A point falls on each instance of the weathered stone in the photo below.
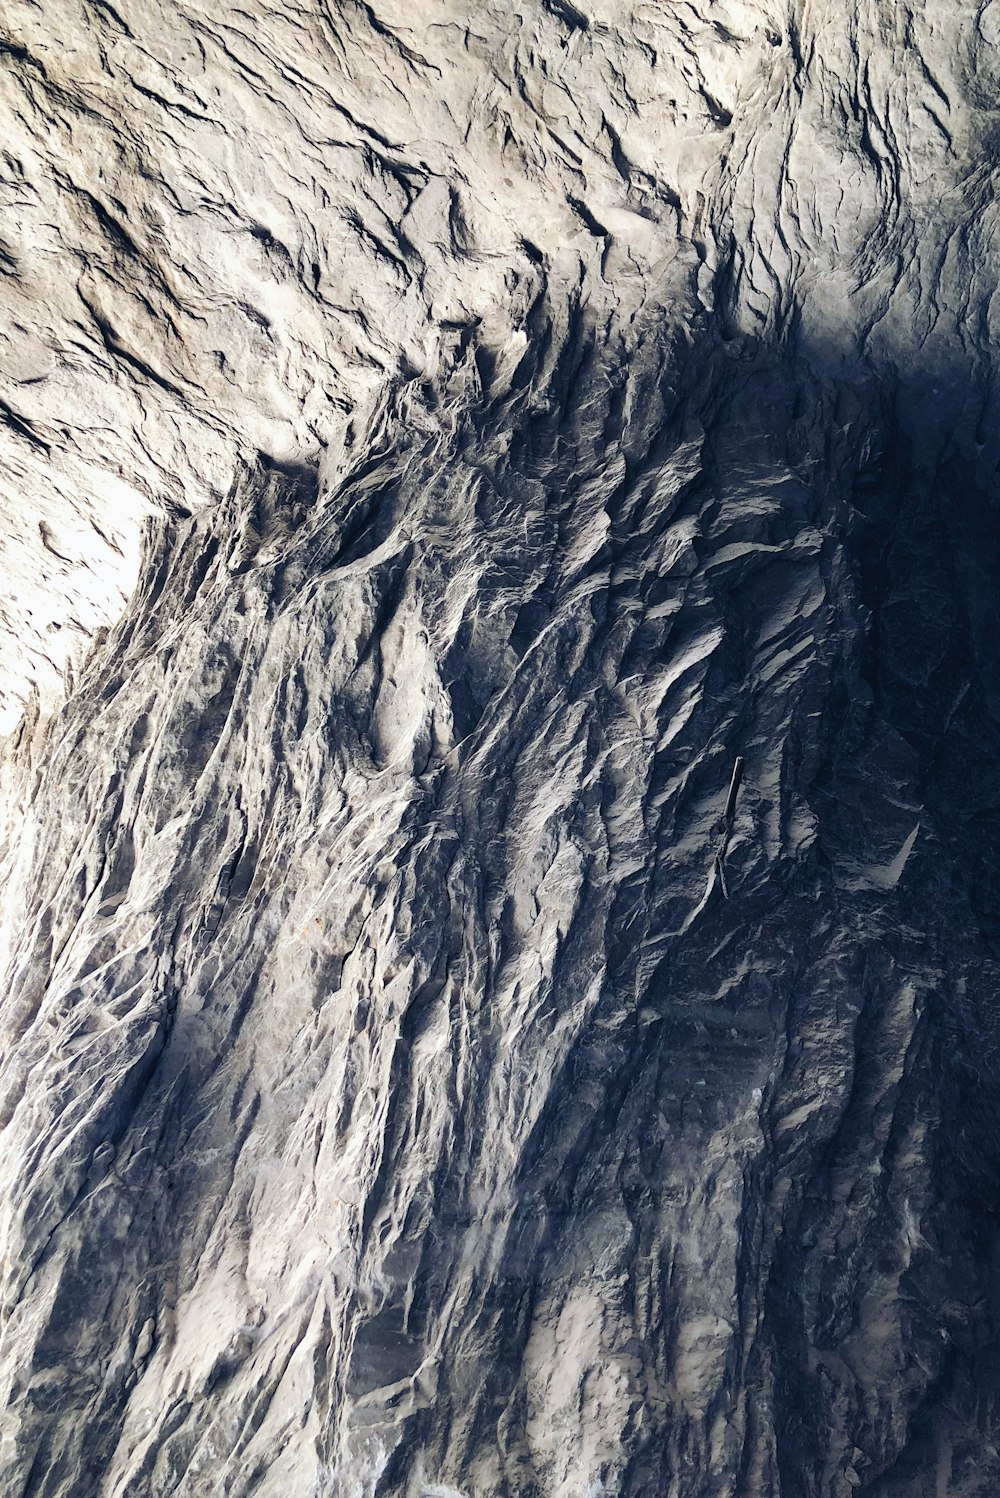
(500, 917)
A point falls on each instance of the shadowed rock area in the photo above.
(500, 850)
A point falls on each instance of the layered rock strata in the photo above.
(500, 930)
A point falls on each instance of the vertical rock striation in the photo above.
(500, 930)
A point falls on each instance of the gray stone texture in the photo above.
(500, 849)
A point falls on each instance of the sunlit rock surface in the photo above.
(501, 884)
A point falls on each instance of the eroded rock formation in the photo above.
(501, 927)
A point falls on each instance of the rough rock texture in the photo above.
(502, 933)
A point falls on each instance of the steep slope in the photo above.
(501, 935)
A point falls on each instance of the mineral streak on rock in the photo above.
(500, 858)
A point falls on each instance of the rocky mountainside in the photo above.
(501, 823)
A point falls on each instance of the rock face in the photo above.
(501, 931)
